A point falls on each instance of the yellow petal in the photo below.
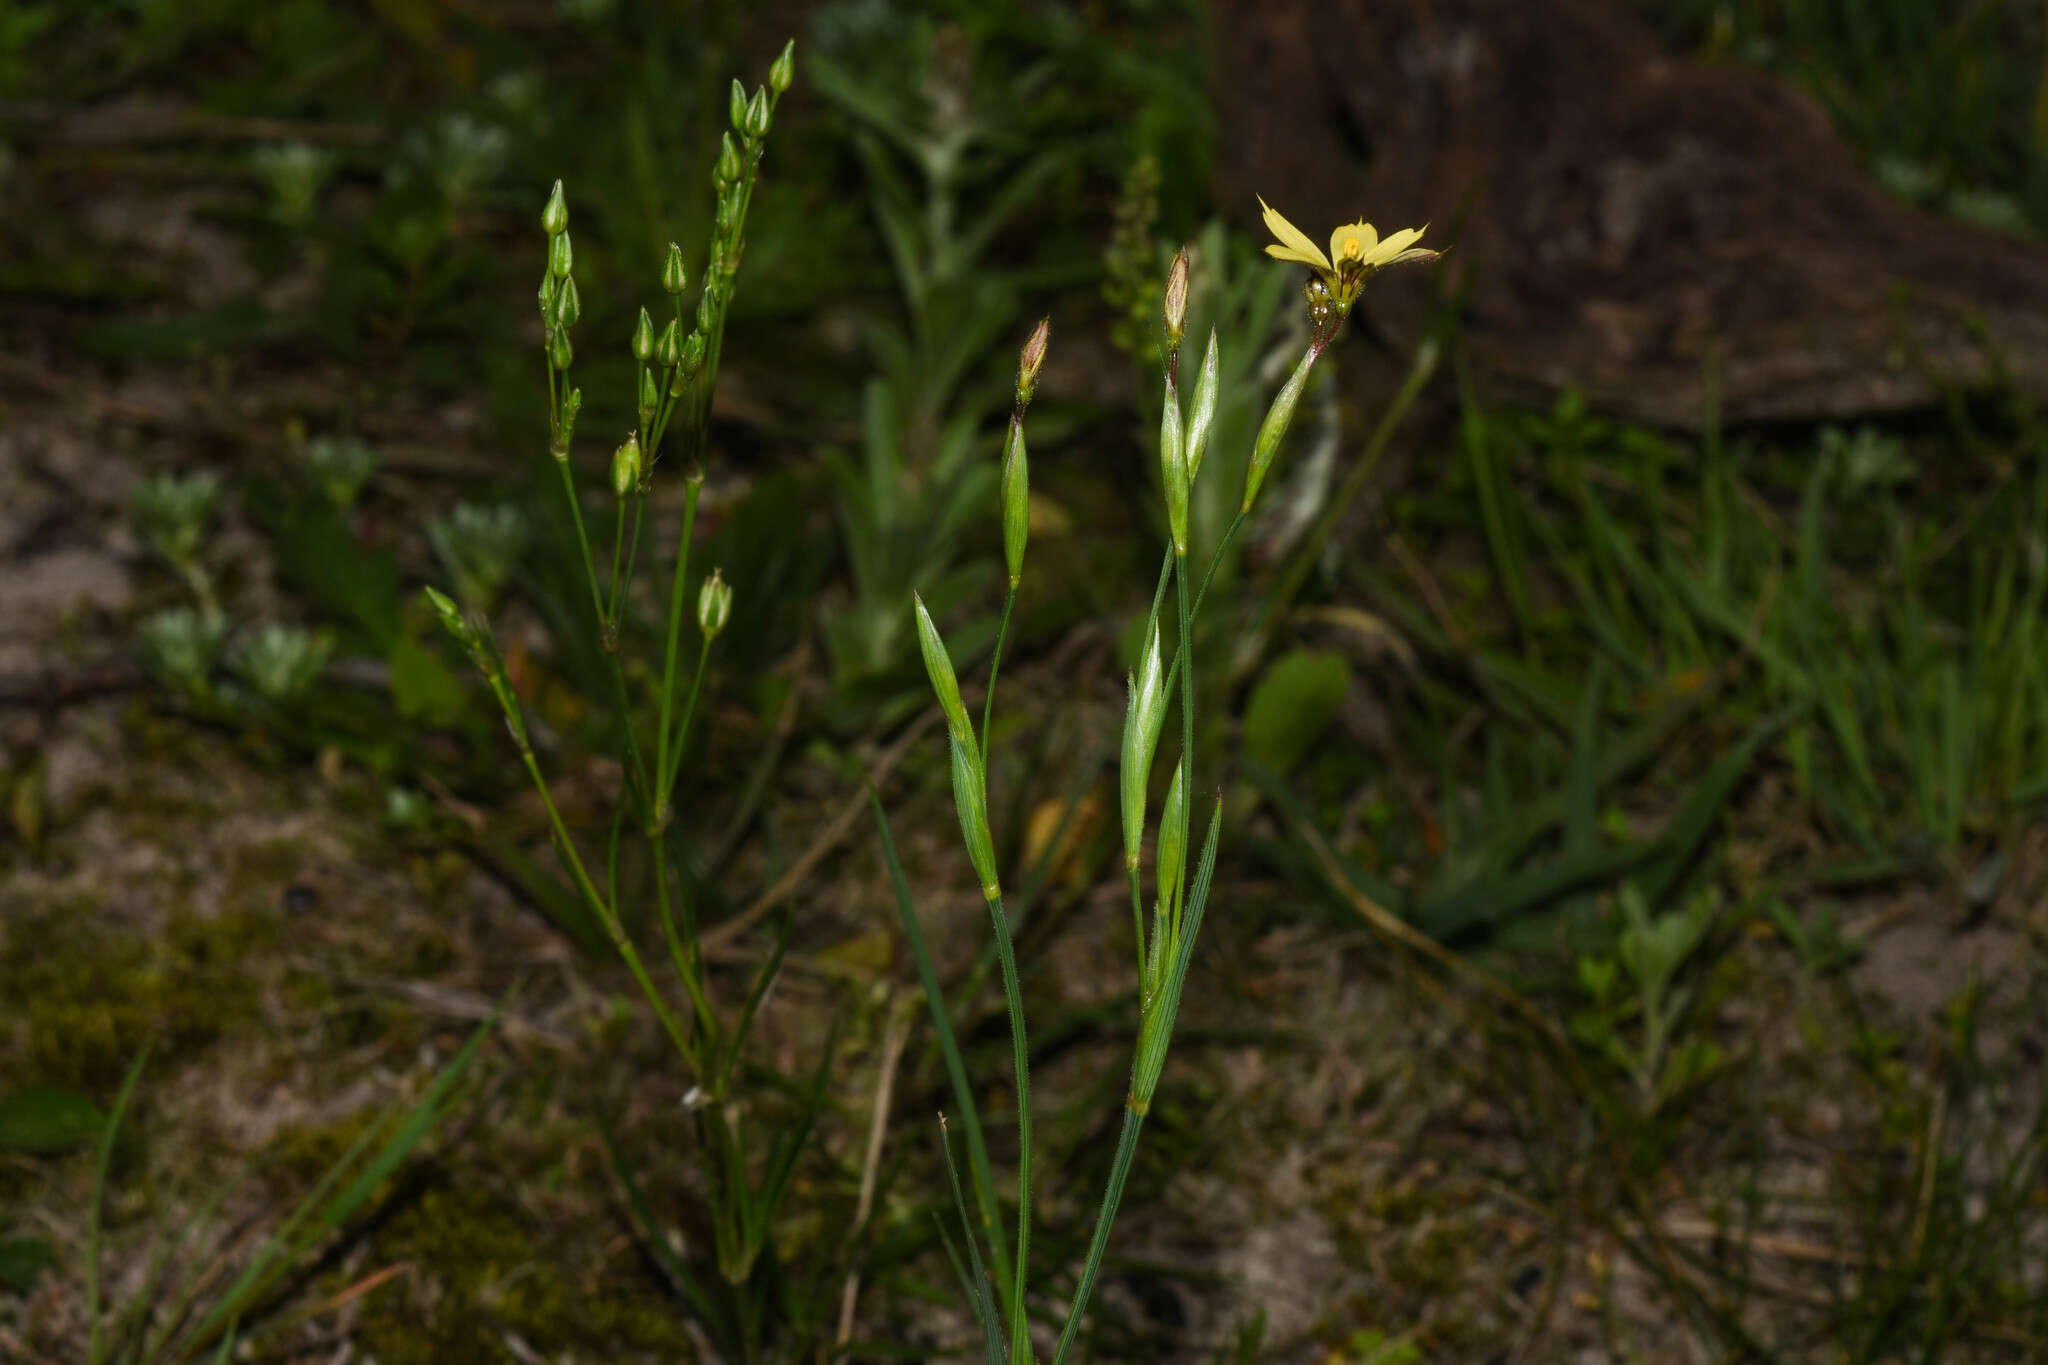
(1313, 261)
(1415, 253)
(1353, 241)
(1296, 243)
(1396, 243)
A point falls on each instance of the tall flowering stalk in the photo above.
(1165, 937)
(676, 367)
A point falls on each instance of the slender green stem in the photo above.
(1138, 927)
(1173, 669)
(582, 537)
(610, 621)
(682, 950)
(1112, 1195)
(675, 760)
(988, 703)
(613, 928)
(1020, 1060)
(675, 629)
(1187, 728)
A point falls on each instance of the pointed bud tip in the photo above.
(1176, 303)
(1032, 357)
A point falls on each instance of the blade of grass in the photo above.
(949, 1048)
(103, 1162)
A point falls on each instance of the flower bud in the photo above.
(1016, 504)
(560, 352)
(554, 219)
(784, 69)
(650, 394)
(1028, 363)
(1172, 844)
(643, 337)
(707, 309)
(693, 354)
(547, 297)
(670, 348)
(736, 105)
(673, 276)
(568, 303)
(757, 115)
(729, 165)
(626, 465)
(714, 605)
(1143, 719)
(938, 665)
(452, 619)
(1203, 414)
(1176, 307)
(1173, 466)
(970, 799)
(1274, 428)
(728, 210)
(559, 255)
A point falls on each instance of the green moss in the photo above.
(483, 1271)
(80, 1003)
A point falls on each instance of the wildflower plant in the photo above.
(747, 1304)
(1164, 935)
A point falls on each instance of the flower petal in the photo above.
(1296, 243)
(1287, 253)
(1394, 245)
(1414, 253)
(1354, 241)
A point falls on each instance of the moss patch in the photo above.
(81, 1004)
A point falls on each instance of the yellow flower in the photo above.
(1357, 252)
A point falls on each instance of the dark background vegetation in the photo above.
(1629, 941)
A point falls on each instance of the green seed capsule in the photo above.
(560, 257)
(693, 354)
(568, 303)
(673, 276)
(784, 69)
(707, 309)
(560, 352)
(643, 337)
(669, 349)
(736, 105)
(650, 394)
(554, 219)
(730, 167)
(714, 605)
(626, 466)
(757, 115)
(547, 297)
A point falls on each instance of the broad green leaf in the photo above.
(48, 1120)
(21, 1260)
(1292, 706)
